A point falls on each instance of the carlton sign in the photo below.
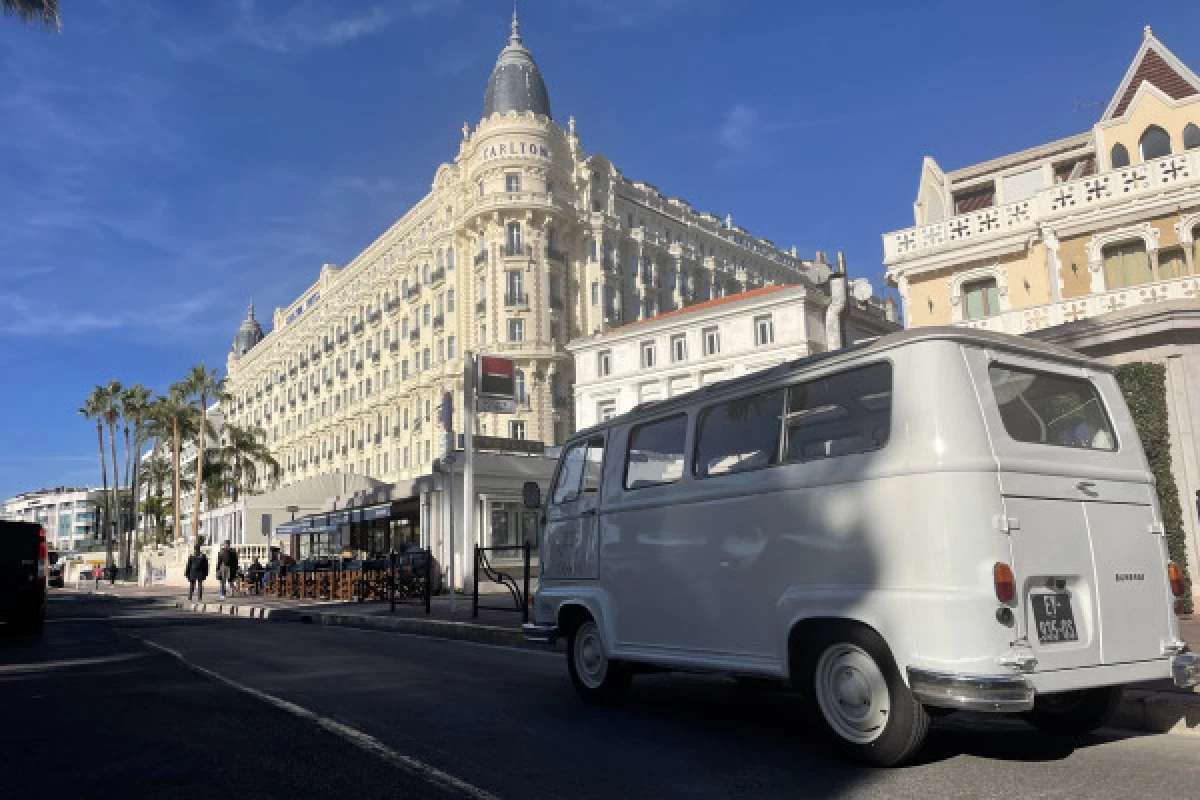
(496, 385)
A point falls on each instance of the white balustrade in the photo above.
(1051, 202)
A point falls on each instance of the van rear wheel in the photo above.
(859, 698)
(1074, 713)
(596, 677)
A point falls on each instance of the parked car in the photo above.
(939, 519)
(23, 573)
(55, 567)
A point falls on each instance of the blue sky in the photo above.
(164, 162)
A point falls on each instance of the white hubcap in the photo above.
(852, 693)
(590, 663)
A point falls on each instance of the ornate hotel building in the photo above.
(524, 242)
(1089, 241)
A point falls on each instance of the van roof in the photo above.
(856, 352)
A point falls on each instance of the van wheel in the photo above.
(860, 699)
(1074, 713)
(596, 677)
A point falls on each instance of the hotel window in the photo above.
(516, 330)
(1191, 136)
(405, 423)
(712, 341)
(554, 332)
(450, 349)
(595, 293)
(439, 259)
(440, 302)
(604, 363)
(404, 328)
(633, 264)
(449, 258)
(606, 411)
(764, 330)
(1155, 143)
(387, 378)
(425, 358)
(449, 301)
(513, 284)
(441, 351)
(483, 334)
(425, 314)
(679, 347)
(513, 241)
(368, 393)
(407, 460)
(1126, 264)
(512, 182)
(516, 429)
(404, 370)
(481, 195)
(980, 299)
(425, 274)
(592, 250)
(649, 355)
(519, 386)
(1119, 157)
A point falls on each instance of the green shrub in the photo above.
(1145, 389)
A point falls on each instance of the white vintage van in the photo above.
(938, 519)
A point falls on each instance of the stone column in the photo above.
(1050, 237)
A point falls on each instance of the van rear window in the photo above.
(1041, 408)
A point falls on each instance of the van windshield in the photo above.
(1042, 408)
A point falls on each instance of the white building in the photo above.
(68, 515)
(683, 350)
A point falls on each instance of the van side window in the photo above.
(656, 453)
(1041, 408)
(570, 474)
(739, 434)
(593, 466)
(841, 414)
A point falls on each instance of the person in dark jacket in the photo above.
(227, 567)
(196, 571)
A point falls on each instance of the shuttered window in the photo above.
(1126, 264)
(981, 298)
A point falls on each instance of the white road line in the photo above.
(512, 648)
(39, 666)
(361, 740)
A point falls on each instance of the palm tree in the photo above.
(243, 453)
(112, 412)
(135, 406)
(93, 408)
(202, 384)
(172, 419)
(29, 11)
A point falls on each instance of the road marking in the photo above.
(432, 638)
(363, 741)
(38, 666)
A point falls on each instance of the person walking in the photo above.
(196, 571)
(96, 573)
(226, 567)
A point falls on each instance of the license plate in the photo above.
(1054, 617)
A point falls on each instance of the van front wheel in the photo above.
(1074, 713)
(860, 699)
(596, 677)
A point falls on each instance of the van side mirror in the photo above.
(532, 494)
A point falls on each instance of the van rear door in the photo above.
(1080, 509)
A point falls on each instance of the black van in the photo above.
(23, 568)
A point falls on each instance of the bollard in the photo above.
(525, 593)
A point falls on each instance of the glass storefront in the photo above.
(512, 525)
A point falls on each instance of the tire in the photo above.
(595, 677)
(859, 699)
(1074, 714)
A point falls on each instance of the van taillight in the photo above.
(1006, 585)
(43, 552)
(1175, 574)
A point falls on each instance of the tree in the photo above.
(202, 384)
(31, 11)
(111, 396)
(94, 408)
(243, 453)
(135, 407)
(173, 416)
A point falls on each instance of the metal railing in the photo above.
(519, 593)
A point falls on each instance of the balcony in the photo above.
(328, 346)
(375, 356)
(556, 256)
(356, 328)
(414, 291)
(342, 338)
(556, 303)
(438, 276)
(378, 438)
(1163, 176)
(439, 322)
(393, 346)
(481, 258)
(516, 300)
(358, 366)
(481, 307)
(391, 305)
(374, 317)
(1026, 320)
(414, 335)
(511, 250)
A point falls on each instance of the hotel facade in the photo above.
(1092, 242)
(524, 243)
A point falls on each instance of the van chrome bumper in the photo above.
(997, 693)
(1185, 669)
(534, 632)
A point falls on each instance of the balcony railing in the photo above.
(1061, 200)
(481, 307)
(556, 303)
(481, 258)
(516, 300)
(439, 322)
(414, 291)
(414, 335)
(516, 250)
(438, 276)
(557, 256)
(1035, 318)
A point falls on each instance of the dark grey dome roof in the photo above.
(516, 84)
(248, 335)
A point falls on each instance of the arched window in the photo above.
(1120, 156)
(1126, 264)
(1191, 136)
(1155, 143)
(980, 299)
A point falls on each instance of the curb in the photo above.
(435, 628)
(1152, 711)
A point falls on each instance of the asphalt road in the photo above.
(98, 708)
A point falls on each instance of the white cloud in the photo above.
(21, 315)
(596, 15)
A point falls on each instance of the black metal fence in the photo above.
(518, 592)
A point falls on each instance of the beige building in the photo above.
(1088, 241)
(524, 242)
